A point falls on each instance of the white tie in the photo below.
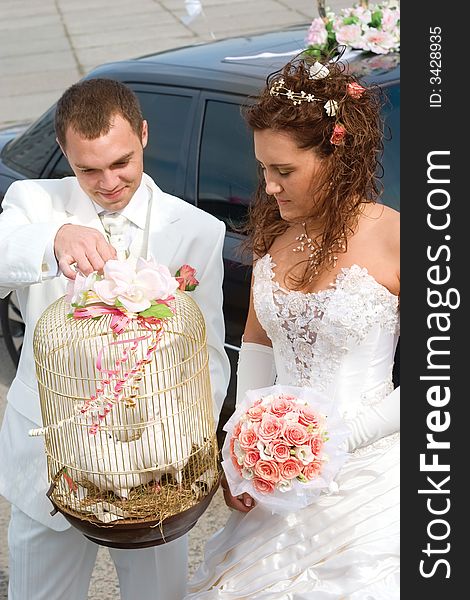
(116, 226)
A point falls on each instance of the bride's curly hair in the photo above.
(352, 168)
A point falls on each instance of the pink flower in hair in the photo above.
(355, 90)
(338, 134)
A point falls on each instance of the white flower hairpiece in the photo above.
(331, 108)
(278, 88)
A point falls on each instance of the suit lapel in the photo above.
(165, 236)
(81, 209)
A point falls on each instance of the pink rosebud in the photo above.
(237, 429)
(251, 458)
(248, 439)
(185, 277)
(338, 134)
(355, 90)
(296, 434)
(290, 469)
(268, 470)
(262, 486)
(312, 470)
(270, 428)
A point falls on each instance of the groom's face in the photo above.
(108, 168)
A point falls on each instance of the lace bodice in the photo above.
(340, 340)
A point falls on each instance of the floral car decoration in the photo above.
(372, 28)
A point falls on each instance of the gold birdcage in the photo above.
(129, 431)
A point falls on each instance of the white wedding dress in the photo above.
(346, 544)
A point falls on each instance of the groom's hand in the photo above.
(243, 503)
(84, 247)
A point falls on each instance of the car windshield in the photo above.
(30, 152)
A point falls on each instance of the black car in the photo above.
(199, 147)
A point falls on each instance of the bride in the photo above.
(324, 314)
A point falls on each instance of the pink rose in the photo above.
(355, 90)
(312, 470)
(270, 428)
(295, 434)
(248, 439)
(256, 412)
(308, 416)
(263, 486)
(281, 405)
(280, 451)
(268, 470)
(185, 277)
(338, 134)
(316, 444)
(290, 469)
(251, 458)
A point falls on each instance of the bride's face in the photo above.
(293, 175)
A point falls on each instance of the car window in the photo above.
(227, 168)
(166, 154)
(30, 152)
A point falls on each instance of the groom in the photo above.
(49, 230)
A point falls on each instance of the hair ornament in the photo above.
(331, 108)
(318, 71)
(355, 90)
(278, 89)
(338, 134)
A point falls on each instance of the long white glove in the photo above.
(375, 422)
(256, 368)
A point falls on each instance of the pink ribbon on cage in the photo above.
(119, 323)
(119, 320)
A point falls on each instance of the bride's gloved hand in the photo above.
(255, 369)
(375, 422)
(243, 503)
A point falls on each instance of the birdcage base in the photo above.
(138, 534)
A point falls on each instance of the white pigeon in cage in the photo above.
(119, 466)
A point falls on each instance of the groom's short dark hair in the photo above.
(89, 106)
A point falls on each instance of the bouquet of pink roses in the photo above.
(283, 447)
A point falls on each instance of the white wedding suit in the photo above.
(346, 544)
(49, 560)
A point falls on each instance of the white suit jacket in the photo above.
(33, 211)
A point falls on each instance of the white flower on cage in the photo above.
(135, 289)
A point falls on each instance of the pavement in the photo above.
(46, 46)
